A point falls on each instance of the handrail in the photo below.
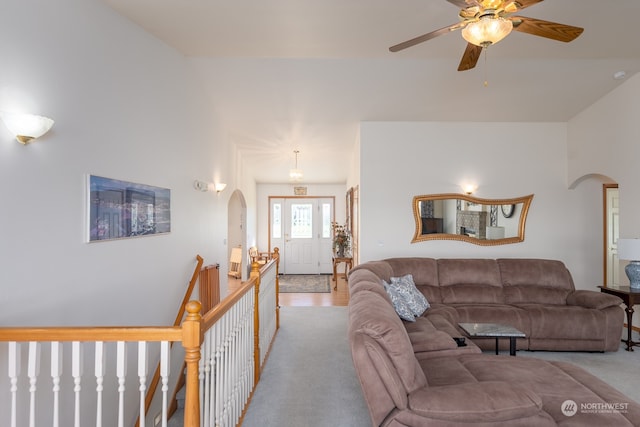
(219, 310)
(89, 333)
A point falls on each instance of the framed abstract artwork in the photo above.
(121, 209)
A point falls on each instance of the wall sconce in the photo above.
(218, 187)
(469, 188)
(26, 127)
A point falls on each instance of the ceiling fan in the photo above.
(486, 22)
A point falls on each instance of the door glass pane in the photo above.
(276, 221)
(301, 221)
(326, 220)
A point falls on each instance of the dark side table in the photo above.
(630, 297)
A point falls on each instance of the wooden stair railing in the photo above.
(191, 333)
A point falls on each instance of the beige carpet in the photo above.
(305, 283)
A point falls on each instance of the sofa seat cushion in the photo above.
(487, 401)
(550, 322)
(425, 337)
(554, 382)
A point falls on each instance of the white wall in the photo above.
(604, 139)
(401, 160)
(127, 107)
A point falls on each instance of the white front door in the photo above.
(301, 228)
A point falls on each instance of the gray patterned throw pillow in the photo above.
(399, 303)
(407, 289)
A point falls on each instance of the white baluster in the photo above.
(142, 375)
(33, 370)
(204, 371)
(121, 372)
(99, 373)
(14, 373)
(164, 374)
(76, 372)
(56, 372)
(218, 365)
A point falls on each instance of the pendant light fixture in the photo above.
(296, 174)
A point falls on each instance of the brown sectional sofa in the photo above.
(536, 296)
(414, 374)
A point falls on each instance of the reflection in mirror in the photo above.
(462, 217)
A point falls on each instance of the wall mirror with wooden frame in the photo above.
(485, 222)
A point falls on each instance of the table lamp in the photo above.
(629, 249)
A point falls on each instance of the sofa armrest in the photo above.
(592, 299)
(485, 401)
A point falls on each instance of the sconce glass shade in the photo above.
(26, 127)
(487, 30)
(469, 188)
(629, 249)
(207, 186)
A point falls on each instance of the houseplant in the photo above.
(341, 240)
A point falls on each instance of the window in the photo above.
(326, 220)
(301, 221)
(276, 221)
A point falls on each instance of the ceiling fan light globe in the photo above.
(487, 30)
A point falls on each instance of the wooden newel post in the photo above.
(192, 337)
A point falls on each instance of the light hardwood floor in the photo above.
(339, 297)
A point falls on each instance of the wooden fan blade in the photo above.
(462, 4)
(550, 30)
(425, 37)
(523, 4)
(470, 57)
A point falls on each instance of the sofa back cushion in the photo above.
(535, 281)
(424, 272)
(363, 279)
(381, 269)
(470, 281)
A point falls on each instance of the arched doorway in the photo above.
(237, 230)
(610, 228)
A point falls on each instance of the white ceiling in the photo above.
(301, 74)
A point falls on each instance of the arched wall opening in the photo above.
(610, 224)
(236, 229)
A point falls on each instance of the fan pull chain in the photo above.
(486, 80)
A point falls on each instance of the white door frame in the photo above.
(292, 257)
